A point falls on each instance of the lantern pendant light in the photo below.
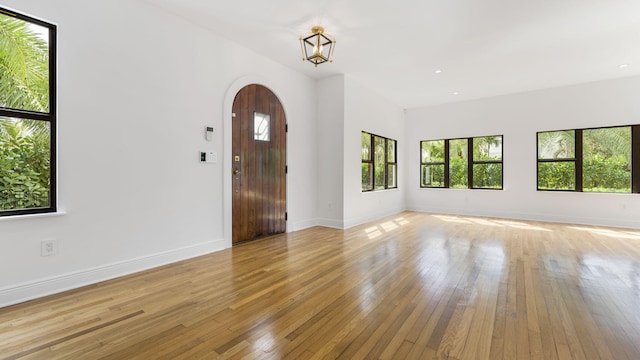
(317, 47)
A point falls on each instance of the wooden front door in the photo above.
(259, 164)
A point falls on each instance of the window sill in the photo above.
(32, 216)
(378, 191)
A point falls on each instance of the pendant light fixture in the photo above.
(317, 47)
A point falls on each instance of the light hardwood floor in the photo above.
(411, 286)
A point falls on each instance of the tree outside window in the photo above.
(487, 162)
(27, 114)
(466, 163)
(379, 164)
(588, 160)
(432, 164)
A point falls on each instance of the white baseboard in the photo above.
(552, 218)
(305, 224)
(36, 289)
(371, 217)
(349, 223)
(331, 223)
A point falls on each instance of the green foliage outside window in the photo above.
(391, 176)
(367, 179)
(487, 176)
(556, 175)
(433, 151)
(557, 144)
(25, 150)
(432, 175)
(379, 167)
(486, 165)
(458, 174)
(366, 146)
(603, 174)
(24, 66)
(606, 159)
(432, 168)
(379, 162)
(600, 174)
(487, 148)
(458, 164)
(24, 166)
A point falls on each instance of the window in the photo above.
(27, 115)
(458, 164)
(487, 162)
(557, 160)
(261, 126)
(606, 160)
(590, 160)
(392, 175)
(433, 163)
(467, 163)
(379, 162)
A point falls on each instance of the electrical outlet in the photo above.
(48, 248)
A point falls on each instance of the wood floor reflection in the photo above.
(411, 286)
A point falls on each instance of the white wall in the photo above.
(345, 109)
(367, 111)
(136, 87)
(518, 117)
(330, 151)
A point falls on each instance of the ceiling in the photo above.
(482, 48)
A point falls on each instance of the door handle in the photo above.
(236, 171)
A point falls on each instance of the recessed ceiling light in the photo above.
(438, 71)
(623, 66)
(456, 93)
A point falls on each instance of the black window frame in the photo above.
(473, 162)
(470, 162)
(372, 161)
(50, 117)
(579, 159)
(444, 163)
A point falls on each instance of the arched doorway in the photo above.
(259, 166)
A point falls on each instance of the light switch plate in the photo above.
(210, 157)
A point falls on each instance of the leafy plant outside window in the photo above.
(587, 160)
(465, 163)
(27, 114)
(379, 164)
